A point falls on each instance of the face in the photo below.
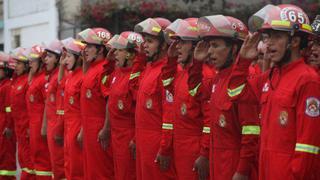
(34, 66)
(151, 45)
(184, 49)
(90, 52)
(20, 68)
(120, 56)
(314, 58)
(50, 61)
(218, 52)
(70, 60)
(276, 42)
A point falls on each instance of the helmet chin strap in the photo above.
(287, 55)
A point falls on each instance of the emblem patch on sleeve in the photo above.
(312, 107)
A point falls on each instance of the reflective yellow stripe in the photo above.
(104, 79)
(194, 91)
(7, 173)
(206, 130)
(43, 173)
(167, 126)
(167, 81)
(156, 29)
(134, 75)
(236, 91)
(251, 130)
(307, 148)
(306, 27)
(8, 109)
(280, 23)
(27, 170)
(60, 112)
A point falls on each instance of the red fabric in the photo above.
(56, 151)
(35, 100)
(20, 117)
(7, 145)
(98, 164)
(283, 93)
(72, 119)
(149, 123)
(254, 71)
(121, 106)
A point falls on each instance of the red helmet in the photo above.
(19, 54)
(284, 17)
(98, 36)
(55, 47)
(35, 52)
(222, 26)
(186, 29)
(152, 26)
(73, 46)
(125, 40)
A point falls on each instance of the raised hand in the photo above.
(249, 48)
(201, 51)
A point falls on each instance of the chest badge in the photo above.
(213, 88)
(222, 121)
(71, 100)
(89, 93)
(31, 98)
(120, 105)
(283, 118)
(183, 109)
(265, 87)
(19, 88)
(149, 103)
(169, 96)
(52, 97)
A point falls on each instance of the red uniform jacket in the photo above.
(289, 98)
(234, 126)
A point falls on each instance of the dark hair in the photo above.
(105, 50)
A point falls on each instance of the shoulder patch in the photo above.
(312, 107)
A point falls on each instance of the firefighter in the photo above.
(234, 119)
(191, 127)
(150, 152)
(7, 138)
(289, 94)
(314, 55)
(35, 103)
(121, 104)
(53, 53)
(98, 163)
(72, 113)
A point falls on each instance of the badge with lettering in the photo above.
(88, 93)
(222, 120)
(71, 100)
(183, 109)
(120, 105)
(149, 103)
(283, 118)
(312, 107)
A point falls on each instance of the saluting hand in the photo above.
(201, 51)
(172, 51)
(249, 48)
(111, 55)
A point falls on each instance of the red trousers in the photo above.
(147, 144)
(73, 150)
(98, 164)
(186, 150)
(124, 164)
(40, 155)
(56, 151)
(7, 157)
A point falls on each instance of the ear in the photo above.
(295, 42)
